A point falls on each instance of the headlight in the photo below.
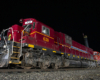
(4, 46)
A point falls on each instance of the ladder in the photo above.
(17, 50)
(15, 57)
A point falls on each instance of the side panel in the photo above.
(29, 40)
(43, 39)
(62, 42)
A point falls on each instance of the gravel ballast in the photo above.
(56, 75)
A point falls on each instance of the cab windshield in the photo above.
(29, 25)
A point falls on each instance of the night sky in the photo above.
(72, 18)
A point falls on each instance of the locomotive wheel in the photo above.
(42, 66)
(24, 65)
(54, 66)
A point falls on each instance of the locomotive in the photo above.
(96, 56)
(35, 44)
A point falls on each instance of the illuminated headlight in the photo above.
(26, 44)
(27, 22)
(4, 46)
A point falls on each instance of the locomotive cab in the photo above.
(29, 24)
(29, 27)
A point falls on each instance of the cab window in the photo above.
(33, 25)
(45, 30)
(68, 39)
(29, 26)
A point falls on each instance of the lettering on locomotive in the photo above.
(46, 39)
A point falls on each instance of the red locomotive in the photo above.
(35, 44)
(96, 56)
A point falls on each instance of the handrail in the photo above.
(6, 41)
(21, 39)
(12, 34)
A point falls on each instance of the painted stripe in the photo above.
(25, 32)
(55, 42)
(62, 53)
(16, 63)
(10, 61)
(78, 56)
(30, 45)
(15, 52)
(16, 42)
(32, 33)
(78, 49)
(72, 47)
(45, 35)
(44, 49)
(54, 51)
(73, 55)
(68, 54)
(59, 43)
(16, 47)
(14, 58)
(41, 34)
(22, 38)
(62, 44)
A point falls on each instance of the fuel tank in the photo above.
(73, 63)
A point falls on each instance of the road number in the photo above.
(45, 39)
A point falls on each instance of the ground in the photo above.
(57, 75)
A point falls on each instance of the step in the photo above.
(10, 62)
(15, 55)
(16, 63)
(15, 52)
(16, 47)
(14, 58)
(17, 44)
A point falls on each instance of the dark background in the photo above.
(72, 17)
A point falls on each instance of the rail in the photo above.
(43, 70)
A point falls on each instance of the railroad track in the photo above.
(41, 70)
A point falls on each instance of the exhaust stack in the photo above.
(86, 40)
